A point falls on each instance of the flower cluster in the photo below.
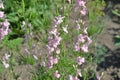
(53, 44)
(73, 77)
(4, 25)
(56, 74)
(80, 60)
(82, 42)
(4, 60)
(81, 4)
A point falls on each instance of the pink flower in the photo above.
(84, 48)
(54, 31)
(89, 40)
(50, 62)
(6, 65)
(55, 61)
(76, 47)
(35, 57)
(79, 72)
(80, 60)
(23, 23)
(1, 14)
(57, 51)
(51, 49)
(85, 31)
(6, 23)
(1, 34)
(58, 20)
(56, 74)
(1, 5)
(83, 11)
(65, 29)
(27, 51)
(80, 3)
(78, 26)
(4, 60)
(73, 77)
(81, 38)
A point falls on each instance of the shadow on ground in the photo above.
(111, 65)
(112, 59)
(112, 5)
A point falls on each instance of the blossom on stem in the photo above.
(57, 51)
(80, 60)
(4, 60)
(2, 14)
(73, 77)
(76, 47)
(1, 5)
(58, 20)
(56, 74)
(65, 29)
(81, 4)
(79, 72)
(83, 11)
(84, 48)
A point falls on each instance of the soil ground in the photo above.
(110, 67)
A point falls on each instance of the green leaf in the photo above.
(117, 40)
(116, 12)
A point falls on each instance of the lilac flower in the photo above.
(55, 61)
(84, 42)
(89, 40)
(1, 34)
(83, 11)
(84, 48)
(65, 29)
(78, 26)
(54, 31)
(4, 29)
(79, 72)
(23, 24)
(1, 5)
(4, 60)
(80, 60)
(43, 64)
(6, 57)
(6, 65)
(50, 49)
(85, 31)
(2, 14)
(27, 51)
(35, 57)
(81, 38)
(50, 62)
(73, 77)
(76, 47)
(54, 42)
(56, 74)
(80, 2)
(58, 20)
(57, 51)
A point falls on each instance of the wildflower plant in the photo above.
(60, 60)
(54, 36)
(4, 24)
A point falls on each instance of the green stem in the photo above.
(23, 6)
